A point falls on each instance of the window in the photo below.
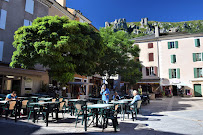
(151, 71)
(3, 14)
(29, 6)
(173, 58)
(1, 50)
(197, 42)
(174, 73)
(6, 0)
(198, 73)
(27, 22)
(197, 57)
(151, 57)
(172, 44)
(150, 45)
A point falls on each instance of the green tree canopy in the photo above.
(119, 55)
(64, 46)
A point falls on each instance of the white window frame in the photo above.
(151, 71)
(172, 44)
(198, 73)
(199, 57)
(3, 16)
(1, 50)
(175, 73)
(29, 6)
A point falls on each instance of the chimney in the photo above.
(62, 2)
(156, 30)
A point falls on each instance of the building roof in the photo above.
(165, 36)
(74, 12)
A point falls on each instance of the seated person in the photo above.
(116, 96)
(11, 96)
(135, 98)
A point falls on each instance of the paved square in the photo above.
(167, 116)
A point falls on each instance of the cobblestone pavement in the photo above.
(164, 116)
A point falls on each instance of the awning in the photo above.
(80, 83)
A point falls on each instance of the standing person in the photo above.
(11, 96)
(105, 94)
(130, 93)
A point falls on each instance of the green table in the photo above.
(47, 104)
(97, 107)
(122, 103)
(45, 99)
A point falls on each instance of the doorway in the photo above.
(197, 90)
(175, 90)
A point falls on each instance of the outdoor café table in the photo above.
(122, 103)
(94, 99)
(47, 104)
(97, 107)
(45, 99)
(23, 97)
(17, 108)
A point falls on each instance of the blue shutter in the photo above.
(3, 14)
(1, 50)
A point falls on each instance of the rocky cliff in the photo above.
(145, 27)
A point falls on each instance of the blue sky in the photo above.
(99, 11)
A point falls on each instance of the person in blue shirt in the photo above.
(116, 96)
(135, 98)
(11, 96)
(105, 94)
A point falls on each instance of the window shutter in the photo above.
(197, 42)
(194, 57)
(170, 74)
(3, 14)
(150, 45)
(169, 47)
(178, 73)
(147, 71)
(195, 72)
(176, 44)
(155, 71)
(1, 50)
(202, 56)
(172, 59)
(151, 57)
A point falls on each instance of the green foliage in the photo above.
(119, 53)
(64, 46)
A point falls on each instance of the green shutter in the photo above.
(197, 42)
(195, 72)
(169, 47)
(194, 57)
(172, 59)
(176, 44)
(202, 56)
(170, 74)
(178, 73)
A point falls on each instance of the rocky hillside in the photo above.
(145, 27)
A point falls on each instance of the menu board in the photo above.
(28, 84)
